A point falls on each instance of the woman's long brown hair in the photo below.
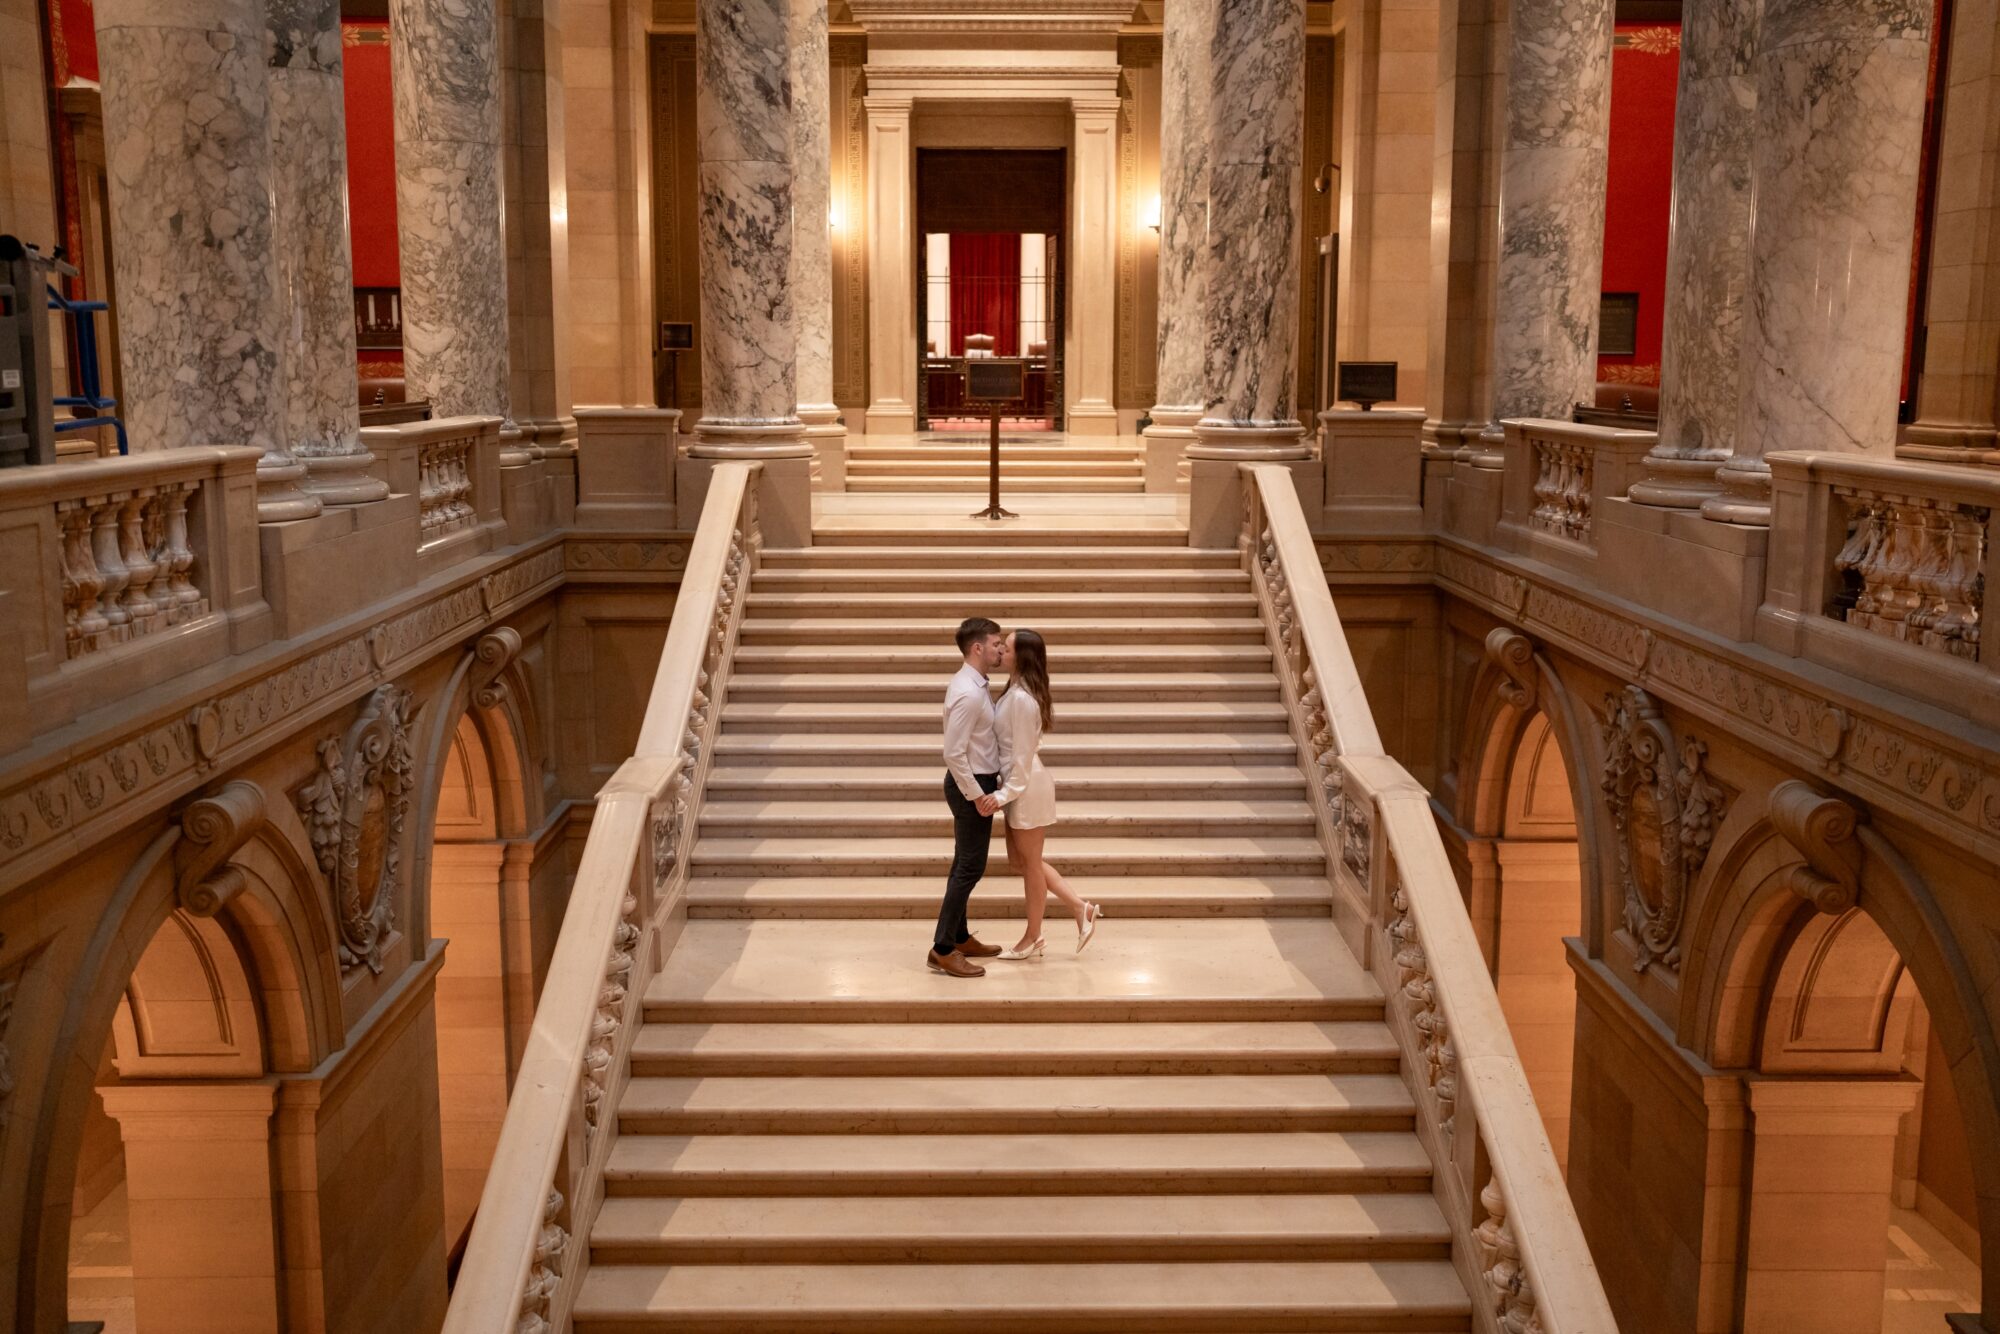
(1031, 673)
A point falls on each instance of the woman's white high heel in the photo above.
(1034, 951)
(1088, 926)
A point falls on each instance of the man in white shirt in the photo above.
(972, 772)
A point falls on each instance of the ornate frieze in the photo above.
(1365, 557)
(1664, 810)
(1482, 579)
(625, 557)
(503, 586)
(355, 809)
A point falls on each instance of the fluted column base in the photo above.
(1488, 450)
(1250, 442)
(344, 479)
(1676, 481)
(281, 495)
(1172, 423)
(1745, 497)
(821, 420)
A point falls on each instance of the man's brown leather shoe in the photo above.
(972, 949)
(954, 964)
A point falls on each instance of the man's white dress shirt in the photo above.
(969, 744)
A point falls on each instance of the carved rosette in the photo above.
(1439, 1060)
(1507, 1282)
(1664, 810)
(355, 809)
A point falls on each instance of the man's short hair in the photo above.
(973, 629)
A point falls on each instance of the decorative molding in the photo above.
(1821, 829)
(1348, 556)
(213, 829)
(1664, 818)
(1607, 633)
(1482, 579)
(490, 656)
(1514, 654)
(503, 586)
(355, 809)
(633, 556)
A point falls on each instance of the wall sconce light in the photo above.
(1153, 213)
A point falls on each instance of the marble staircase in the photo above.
(1027, 466)
(1200, 1123)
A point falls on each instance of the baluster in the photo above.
(153, 532)
(1960, 586)
(1927, 578)
(104, 543)
(82, 581)
(1901, 555)
(1864, 541)
(138, 564)
(179, 554)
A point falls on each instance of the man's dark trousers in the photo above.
(972, 837)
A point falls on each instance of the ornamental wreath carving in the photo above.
(355, 809)
(1665, 816)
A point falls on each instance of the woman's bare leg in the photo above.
(1024, 850)
(1059, 887)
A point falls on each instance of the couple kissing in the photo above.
(993, 763)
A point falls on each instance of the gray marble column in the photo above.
(812, 198)
(315, 266)
(1553, 166)
(1708, 254)
(743, 116)
(1255, 109)
(446, 79)
(200, 322)
(1184, 114)
(1840, 109)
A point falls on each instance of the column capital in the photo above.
(888, 104)
(1094, 105)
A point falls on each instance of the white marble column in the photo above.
(812, 228)
(1256, 107)
(315, 266)
(892, 251)
(1553, 166)
(1708, 254)
(446, 68)
(186, 111)
(1183, 339)
(1840, 109)
(1090, 371)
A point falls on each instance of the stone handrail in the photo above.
(529, 1242)
(1516, 1239)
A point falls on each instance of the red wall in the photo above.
(1639, 195)
(371, 153)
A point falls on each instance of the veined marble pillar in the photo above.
(186, 137)
(446, 70)
(892, 309)
(1708, 255)
(1553, 165)
(1090, 370)
(1840, 109)
(1183, 340)
(322, 393)
(812, 225)
(749, 398)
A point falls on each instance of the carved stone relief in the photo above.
(212, 830)
(1664, 809)
(1822, 830)
(355, 809)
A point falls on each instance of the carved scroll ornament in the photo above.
(1664, 809)
(1822, 829)
(355, 809)
(213, 829)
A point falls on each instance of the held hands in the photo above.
(987, 804)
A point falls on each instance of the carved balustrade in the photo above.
(1558, 476)
(1879, 567)
(1520, 1249)
(452, 466)
(123, 571)
(527, 1252)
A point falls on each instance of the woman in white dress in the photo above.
(1028, 794)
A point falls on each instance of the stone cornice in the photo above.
(79, 784)
(1106, 16)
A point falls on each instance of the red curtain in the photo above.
(986, 290)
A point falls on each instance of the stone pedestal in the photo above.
(201, 321)
(1708, 255)
(625, 468)
(812, 225)
(1840, 107)
(448, 205)
(322, 416)
(1372, 470)
(892, 258)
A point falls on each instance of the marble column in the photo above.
(1183, 338)
(1840, 109)
(446, 80)
(322, 394)
(1553, 166)
(743, 116)
(201, 324)
(1090, 371)
(812, 225)
(892, 258)
(1708, 254)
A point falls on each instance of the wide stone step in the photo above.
(933, 664)
(970, 578)
(936, 483)
(859, 750)
(1017, 1229)
(1159, 1165)
(1062, 633)
(1004, 605)
(871, 467)
(856, 819)
(1081, 855)
(1192, 715)
(1014, 1049)
(972, 552)
(1000, 896)
(1035, 531)
(1091, 688)
(1333, 1295)
(976, 450)
(739, 780)
(1024, 1104)
(862, 971)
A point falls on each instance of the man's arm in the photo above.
(958, 720)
